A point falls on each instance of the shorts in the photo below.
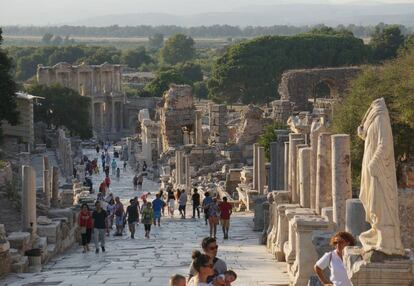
(213, 220)
(225, 222)
(157, 215)
(181, 208)
(171, 203)
(119, 220)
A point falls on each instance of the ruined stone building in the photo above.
(112, 114)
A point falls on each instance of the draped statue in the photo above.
(379, 193)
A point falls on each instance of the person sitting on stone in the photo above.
(334, 261)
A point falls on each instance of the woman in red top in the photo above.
(85, 224)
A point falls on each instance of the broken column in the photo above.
(286, 167)
(317, 127)
(294, 140)
(261, 170)
(304, 161)
(355, 217)
(55, 187)
(255, 166)
(179, 167)
(323, 189)
(298, 148)
(46, 181)
(282, 230)
(198, 128)
(277, 160)
(341, 178)
(187, 173)
(28, 199)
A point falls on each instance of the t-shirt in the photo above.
(171, 195)
(193, 283)
(183, 199)
(225, 208)
(157, 205)
(219, 268)
(339, 277)
(132, 211)
(196, 199)
(207, 200)
(99, 219)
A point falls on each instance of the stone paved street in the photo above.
(168, 251)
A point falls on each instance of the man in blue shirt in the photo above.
(157, 206)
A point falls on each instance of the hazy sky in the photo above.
(44, 12)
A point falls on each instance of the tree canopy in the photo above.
(155, 41)
(8, 88)
(62, 107)
(179, 48)
(135, 58)
(386, 41)
(392, 81)
(250, 71)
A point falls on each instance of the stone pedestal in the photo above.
(261, 170)
(289, 247)
(282, 230)
(259, 213)
(294, 140)
(265, 207)
(323, 187)
(306, 254)
(279, 197)
(55, 187)
(304, 176)
(341, 178)
(327, 213)
(355, 217)
(28, 199)
(277, 161)
(387, 270)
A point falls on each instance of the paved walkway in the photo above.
(152, 261)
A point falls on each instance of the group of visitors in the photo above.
(206, 269)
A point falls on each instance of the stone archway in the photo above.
(299, 86)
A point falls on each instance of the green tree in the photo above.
(57, 41)
(178, 48)
(59, 107)
(191, 72)
(135, 58)
(394, 83)
(200, 90)
(155, 42)
(251, 70)
(47, 38)
(8, 88)
(386, 41)
(162, 81)
(269, 136)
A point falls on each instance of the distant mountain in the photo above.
(288, 14)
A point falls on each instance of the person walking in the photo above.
(157, 206)
(140, 181)
(196, 202)
(119, 217)
(110, 210)
(118, 173)
(206, 203)
(107, 181)
(125, 165)
(182, 202)
(144, 166)
(213, 217)
(99, 225)
(147, 219)
(97, 149)
(85, 223)
(334, 261)
(203, 266)
(114, 165)
(225, 213)
(132, 217)
(210, 248)
(171, 201)
(103, 160)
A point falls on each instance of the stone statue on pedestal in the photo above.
(379, 193)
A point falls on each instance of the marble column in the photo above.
(314, 138)
(46, 187)
(294, 140)
(255, 166)
(187, 173)
(261, 170)
(102, 111)
(298, 148)
(286, 167)
(198, 128)
(55, 187)
(355, 217)
(45, 163)
(192, 138)
(304, 176)
(282, 230)
(186, 137)
(323, 189)
(277, 160)
(341, 178)
(93, 115)
(113, 129)
(28, 199)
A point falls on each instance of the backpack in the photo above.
(146, 215)
(119, 211)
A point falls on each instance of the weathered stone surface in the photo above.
(19, 241)
(355, 217)
(406, 214)
(323, 186)
(252, 125)
(51, 231)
